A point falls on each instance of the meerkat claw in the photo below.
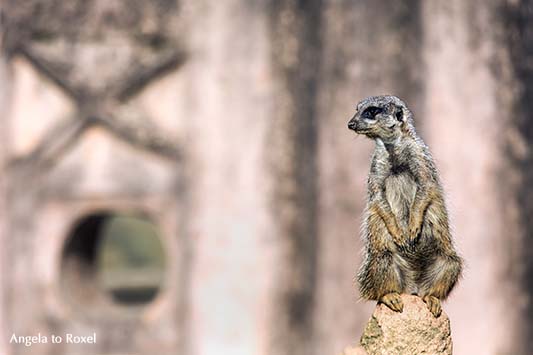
(433, 304)
(393, 301)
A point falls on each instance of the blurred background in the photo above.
(178, 178)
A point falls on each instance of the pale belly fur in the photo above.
(400, 192)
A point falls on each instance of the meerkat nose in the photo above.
(352, 124)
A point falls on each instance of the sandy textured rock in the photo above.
(414, 331)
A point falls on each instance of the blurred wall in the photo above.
(226, 122)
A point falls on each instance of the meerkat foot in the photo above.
(393, 301)
(433, 304)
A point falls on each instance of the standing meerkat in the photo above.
(408, 245)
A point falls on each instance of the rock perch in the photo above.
(414, 331)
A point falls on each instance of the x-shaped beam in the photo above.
(99, 108)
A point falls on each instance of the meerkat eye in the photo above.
(371, 112)
(399, 115)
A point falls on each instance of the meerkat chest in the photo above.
(400, 190)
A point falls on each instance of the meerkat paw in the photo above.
(414, 231)
(401, 240)
(393, 301)
(433, 304)
(414, 225)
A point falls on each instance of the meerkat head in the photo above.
(384, 117)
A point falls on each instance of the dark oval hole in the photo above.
(112, 259)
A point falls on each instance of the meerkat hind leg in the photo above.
(393, 301)
(438, 281)
(433, 304)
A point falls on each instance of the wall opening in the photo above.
(112, 260)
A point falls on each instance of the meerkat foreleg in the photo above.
(382, 209)
(421, 202)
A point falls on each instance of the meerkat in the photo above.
(408, 244)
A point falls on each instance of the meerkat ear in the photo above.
(399, 115)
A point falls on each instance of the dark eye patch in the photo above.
(371, 112)
(399, 116)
